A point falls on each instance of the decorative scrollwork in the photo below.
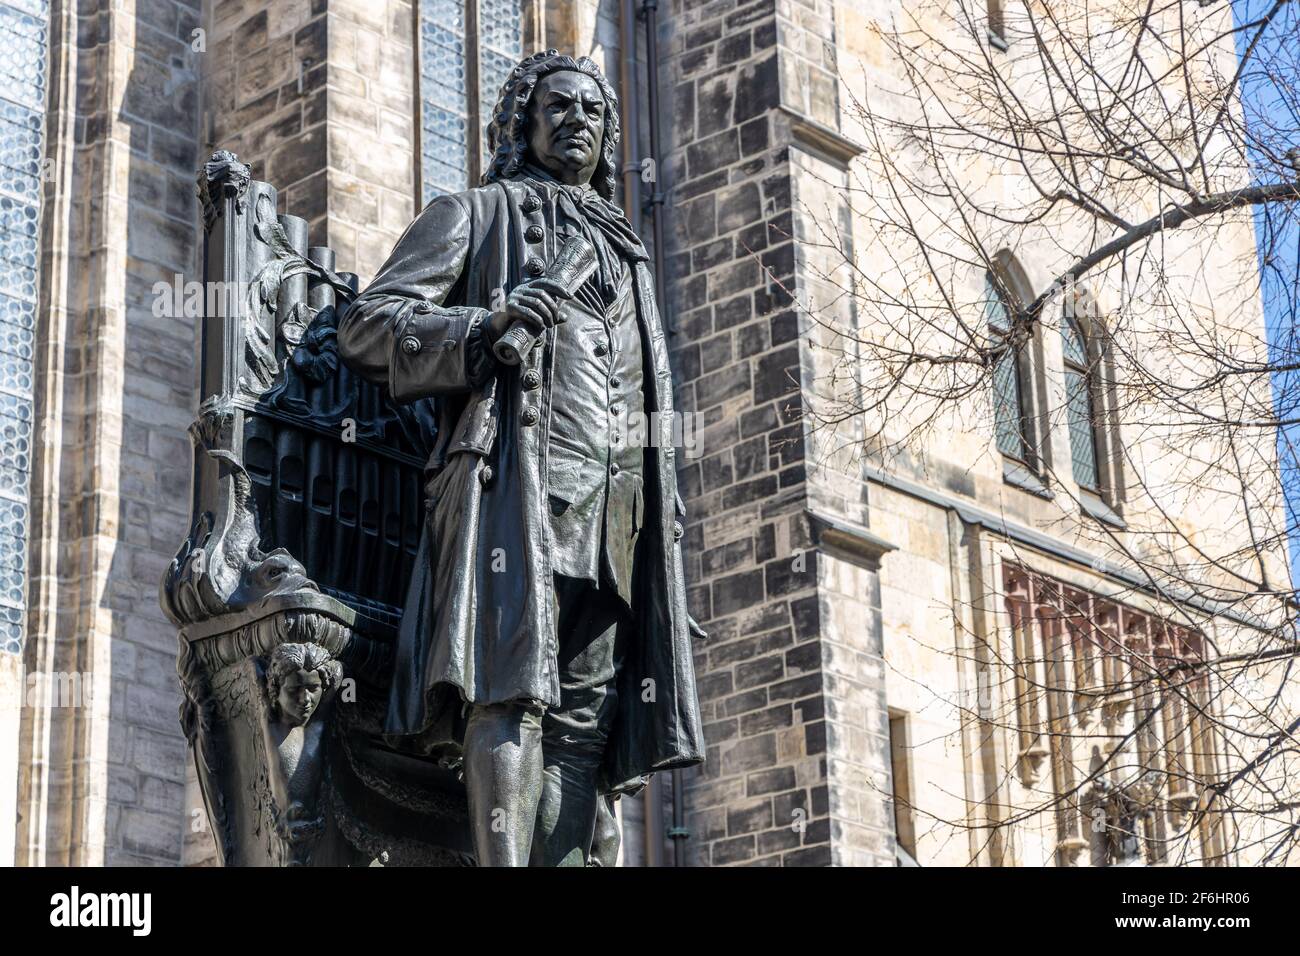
(263, 296)
(220, 570)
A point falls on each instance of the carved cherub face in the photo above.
(566, 124)
(298, 676)
(300, 693)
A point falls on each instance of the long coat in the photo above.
(479, 625)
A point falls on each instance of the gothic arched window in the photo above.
(1017, 382)
(1090, 403)
(1080, 401)
(1010, 415)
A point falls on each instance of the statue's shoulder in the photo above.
(477, 200)
(486, 203)
(451, 213)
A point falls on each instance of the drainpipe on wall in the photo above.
(649, 9)
(650, 798)
(653, 822)
(631, 120)
(633, 171)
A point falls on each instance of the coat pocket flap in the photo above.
(565, 481)
(564, 485)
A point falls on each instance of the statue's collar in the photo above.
(599, 212)
(577, 193)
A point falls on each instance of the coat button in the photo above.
(614, 469)
(529, 417)
(615, 382)
(678, 531)
(534, 267)
(485, 475)
(411, 345)
(531, 203)
(534, 233)
(602, 348)
(532, 379)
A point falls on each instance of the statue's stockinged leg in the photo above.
(592, 627)
(608, 838)
(503, 777)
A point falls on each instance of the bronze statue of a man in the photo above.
(546, 628)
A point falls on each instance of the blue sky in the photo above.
(1270, 99)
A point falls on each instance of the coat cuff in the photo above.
(438, 350)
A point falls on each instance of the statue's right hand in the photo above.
(528, 304)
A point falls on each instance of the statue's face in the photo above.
(566, 124)
(299, 695)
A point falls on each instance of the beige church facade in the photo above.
(898, 650)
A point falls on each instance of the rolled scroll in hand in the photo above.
(571, 267)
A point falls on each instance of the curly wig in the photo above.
(507, 133)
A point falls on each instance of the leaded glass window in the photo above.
(443, 101)
(23, 57)
(1079, 403)
(1008, 401)
(501, 46)
(461, 40)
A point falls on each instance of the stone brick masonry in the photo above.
(102, 777)
(318, 95)
(784, 687)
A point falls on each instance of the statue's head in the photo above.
(558, 113)
(298, 677)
